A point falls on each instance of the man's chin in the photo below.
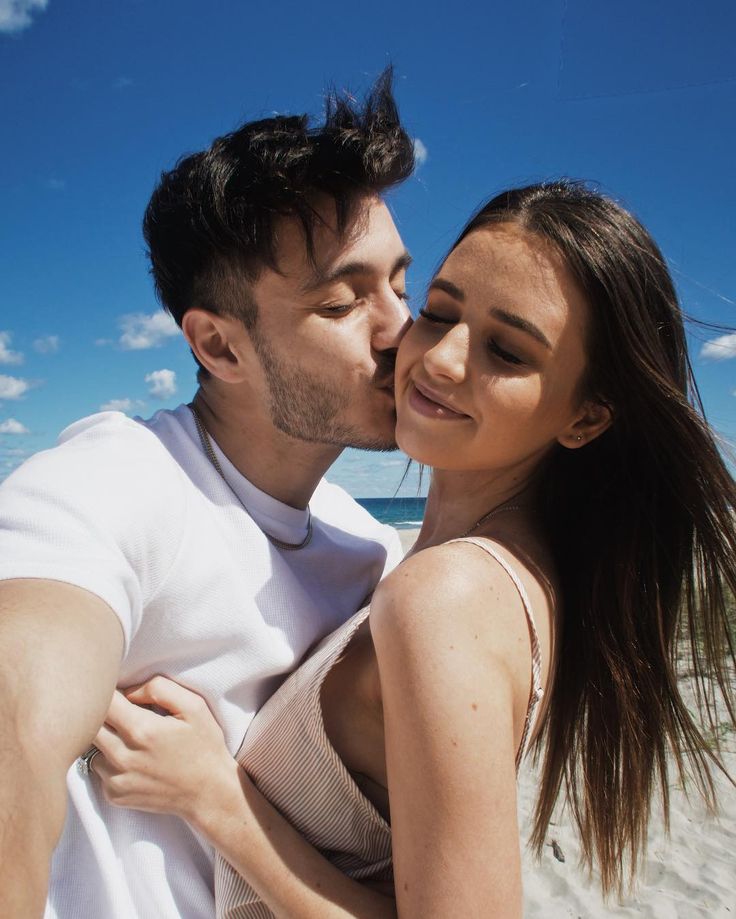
(377, 439)
(375, 446)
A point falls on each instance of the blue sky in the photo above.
(97, 98)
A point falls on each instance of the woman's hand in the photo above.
(161, 763)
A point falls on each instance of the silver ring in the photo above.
(84, 763)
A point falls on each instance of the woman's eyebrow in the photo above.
(511, 319)
(448, 287)
(524, 325)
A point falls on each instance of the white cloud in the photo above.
(117, 405)
(6, 355)
(55, 184)
(13, 387)
(47, 344)
(142, 331)
(161, 383)
(11, 426)
(421, 154)
(720, 349)
(17, 14)
(122, 83)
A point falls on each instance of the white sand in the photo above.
(689, 875)
(407, 538)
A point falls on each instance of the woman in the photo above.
(579, 520)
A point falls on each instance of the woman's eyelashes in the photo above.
(434, 317)
(509, 357)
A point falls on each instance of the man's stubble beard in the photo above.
(308, 408)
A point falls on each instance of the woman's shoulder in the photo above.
(467, 596)
(469, 577)
(475, 572)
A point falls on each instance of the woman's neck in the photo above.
(457, 501)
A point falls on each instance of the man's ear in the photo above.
(218, 342)
(594, 418)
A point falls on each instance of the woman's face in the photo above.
(488, 376)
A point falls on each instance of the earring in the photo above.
(578, 437)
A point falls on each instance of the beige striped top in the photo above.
(288, 755)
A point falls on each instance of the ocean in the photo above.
(402, 513)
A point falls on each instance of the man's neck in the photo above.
(281, 466)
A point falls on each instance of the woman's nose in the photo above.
(449, 356)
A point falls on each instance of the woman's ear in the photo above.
(218, 343)
(594, 418)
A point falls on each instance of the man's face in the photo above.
(326, 334)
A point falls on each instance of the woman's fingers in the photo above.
(120, 788)
(131, 722)
(167, 695)
(109, 744)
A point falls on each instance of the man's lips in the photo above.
(427, 402)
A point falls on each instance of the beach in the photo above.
(407, 538)
(689, 875)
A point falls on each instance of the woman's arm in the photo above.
(180, 765)
(454, 659)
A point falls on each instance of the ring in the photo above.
(84, 763)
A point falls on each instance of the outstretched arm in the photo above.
(60, 649)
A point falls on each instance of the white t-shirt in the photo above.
(134, 512)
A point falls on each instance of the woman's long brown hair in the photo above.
(642, 529)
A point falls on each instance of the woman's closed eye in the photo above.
(493, 346)
(434, 317)
(503, 354)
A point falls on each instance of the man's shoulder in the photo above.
(117, 428)
(333, 506)
(112, 437)
(331, 503)
(105, 451)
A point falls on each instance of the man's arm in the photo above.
(60, 651)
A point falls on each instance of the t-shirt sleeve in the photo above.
(394, 550)
(104, 511)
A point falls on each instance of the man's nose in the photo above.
(392, 319)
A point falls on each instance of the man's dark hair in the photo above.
(209, 225)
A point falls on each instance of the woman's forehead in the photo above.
(505, 266)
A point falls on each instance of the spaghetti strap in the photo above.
(537, 691)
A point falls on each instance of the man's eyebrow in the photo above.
(523, 324)
(352, 268)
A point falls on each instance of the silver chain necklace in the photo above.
(492, 513)
(206, 442)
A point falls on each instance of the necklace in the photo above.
(204, 439)
(492, 513)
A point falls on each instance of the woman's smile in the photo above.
(430, 404)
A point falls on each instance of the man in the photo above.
(202, 543)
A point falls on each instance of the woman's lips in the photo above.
(422, 402)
